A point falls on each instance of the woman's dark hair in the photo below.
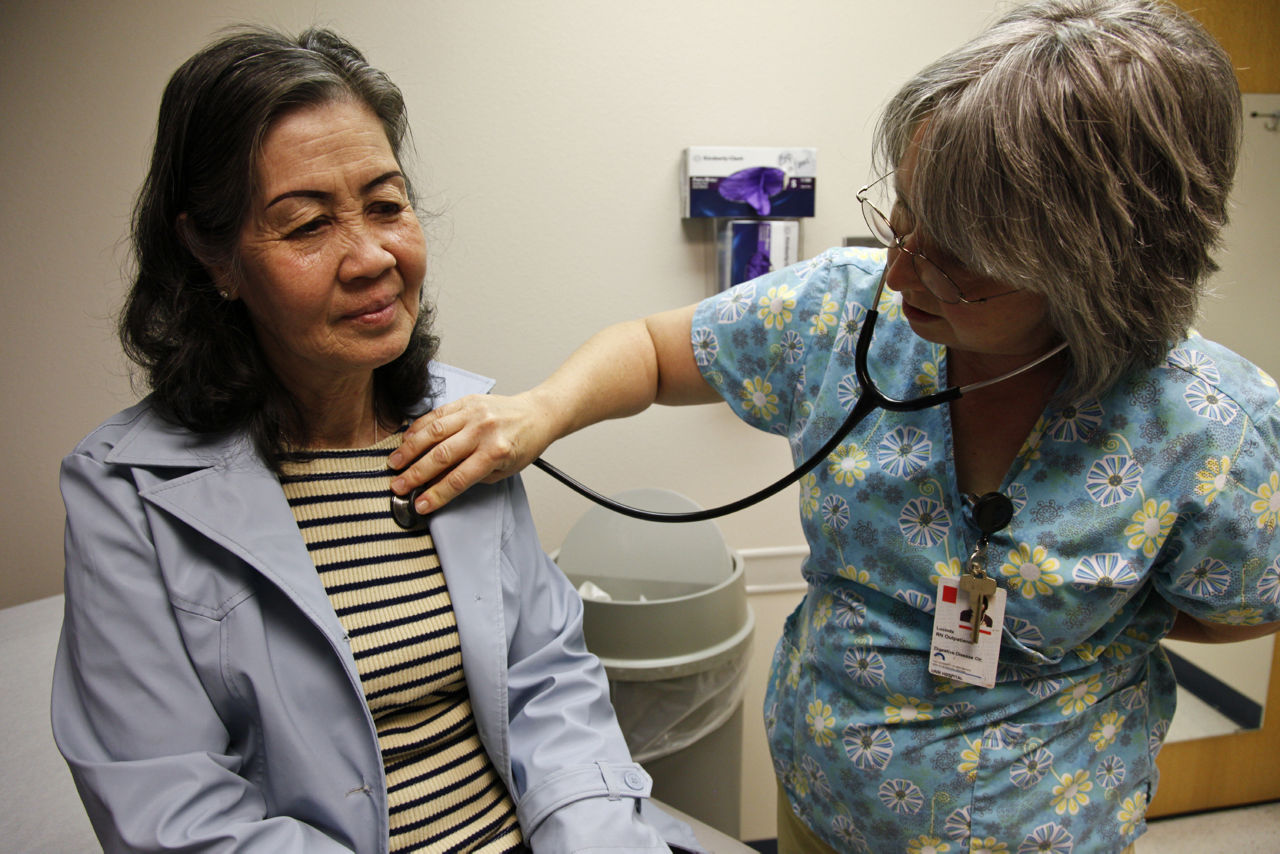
(198, 352)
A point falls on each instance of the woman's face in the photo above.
(1014, 325)
(332, 255)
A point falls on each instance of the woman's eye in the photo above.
(386, 209)
(308, 228)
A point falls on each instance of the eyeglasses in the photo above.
(932, 276)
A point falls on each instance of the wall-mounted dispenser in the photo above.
(756, 198)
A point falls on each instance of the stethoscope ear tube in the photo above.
(865, 404)
(870, 398)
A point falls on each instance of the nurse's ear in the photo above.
(219, 270)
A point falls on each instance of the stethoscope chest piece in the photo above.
(405, 514)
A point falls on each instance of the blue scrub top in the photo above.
(1164, 494)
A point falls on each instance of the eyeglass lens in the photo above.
(929, 273)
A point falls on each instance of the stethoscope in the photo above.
(870, 399)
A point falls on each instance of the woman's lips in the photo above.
(374, 313)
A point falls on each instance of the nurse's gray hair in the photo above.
(1083, 150)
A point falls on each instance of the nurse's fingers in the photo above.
(426, 432)
(474, 439)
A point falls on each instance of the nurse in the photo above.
(1063, 177)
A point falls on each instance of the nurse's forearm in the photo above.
(619, 371)
(613, 375)
(622, 370)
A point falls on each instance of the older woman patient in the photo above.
(1060, 179)
(255, 656)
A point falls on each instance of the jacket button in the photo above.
(634, 779)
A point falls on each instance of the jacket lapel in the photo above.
(231, 498)
(217, 484)
(467, 534)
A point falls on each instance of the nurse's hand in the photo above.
(479, 438)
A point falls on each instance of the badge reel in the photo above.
(968, 621)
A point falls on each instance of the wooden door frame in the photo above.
(1223, 770)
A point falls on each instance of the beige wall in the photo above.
(549, 134)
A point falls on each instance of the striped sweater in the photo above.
(389, 592)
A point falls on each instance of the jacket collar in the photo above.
(218, 485)
(153, 441)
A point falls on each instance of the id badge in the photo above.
(953, 652)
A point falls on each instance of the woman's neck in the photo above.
(340, 415)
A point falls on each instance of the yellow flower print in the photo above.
(1150, 526)
(1238, 617)
(890, 306)
(944, 685)
(848, 463)
(810, 495)
(1031, 571)
(903, 709)
(988, 845)
(1119, 649)
(1090, 652)
(758, 396)
(927, 844)
(1267, 507)
(793, 668)
(822, 612)
(1131, 812)
(820, 721)
(1080, 695)
(799, 782)
(1105, 731)
(969, 760)
(852, 573)
(825, 317)
(776, 306)
(1213, 478)
(1031, 447)
(950, 568)
(927, 379)
(1071, 792)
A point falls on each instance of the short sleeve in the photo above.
(1222, 564)
(755, 342)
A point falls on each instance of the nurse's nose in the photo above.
(900, 274)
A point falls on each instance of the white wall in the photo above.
(548, 135)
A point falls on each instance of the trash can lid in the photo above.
(603, 545)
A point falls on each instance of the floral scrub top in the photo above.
(1162, 495)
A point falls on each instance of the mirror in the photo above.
(1223, 687)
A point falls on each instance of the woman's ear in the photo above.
(219, 271)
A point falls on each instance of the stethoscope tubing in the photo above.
(870, 399)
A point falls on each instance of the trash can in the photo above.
(665, 609)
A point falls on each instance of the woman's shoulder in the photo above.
(790, 296)
(101, 440)
(450, 382)
(140, 435)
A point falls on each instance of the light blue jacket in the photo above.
(205, 695)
